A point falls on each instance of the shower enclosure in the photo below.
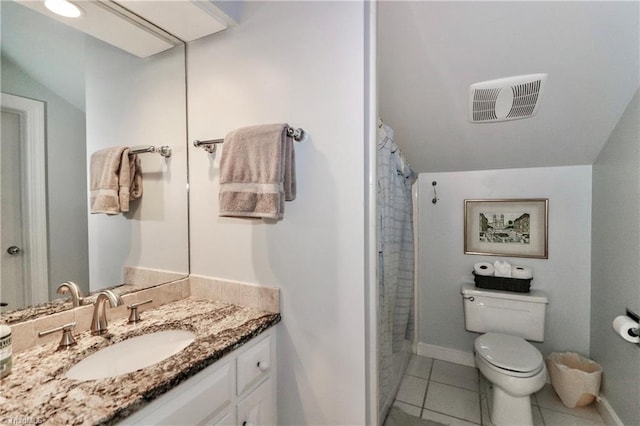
(395, 266)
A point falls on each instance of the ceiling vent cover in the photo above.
(505, 99)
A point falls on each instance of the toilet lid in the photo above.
(508, 352)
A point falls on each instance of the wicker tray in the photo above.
(501, 283)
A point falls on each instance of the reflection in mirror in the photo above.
(92, 96)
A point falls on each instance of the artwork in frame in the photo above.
(515, 227)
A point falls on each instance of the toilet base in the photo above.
(509, 410)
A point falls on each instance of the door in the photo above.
(23, 211)
(12, 285)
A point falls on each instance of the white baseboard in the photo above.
(607, 413)
(446, 354)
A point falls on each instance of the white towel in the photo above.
(257, 172)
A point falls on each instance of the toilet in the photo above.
(515, 368)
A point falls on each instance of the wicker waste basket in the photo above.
(575, 378)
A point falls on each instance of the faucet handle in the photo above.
(134, 317)
(67, 338)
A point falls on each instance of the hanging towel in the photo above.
(116, 179)
(257, 172)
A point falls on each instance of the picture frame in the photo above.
(507, 227)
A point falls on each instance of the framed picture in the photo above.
(515, 228)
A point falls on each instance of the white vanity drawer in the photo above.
(258, 407)
(254, 364)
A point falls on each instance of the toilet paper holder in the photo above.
(636, 331)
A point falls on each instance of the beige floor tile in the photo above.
(555, 418)
(419, 366)
(537, 416)
(412, 390)
(408, 408)
(453, 401)
(444, 419)
(455, 375)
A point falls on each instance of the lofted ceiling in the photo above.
(430, 52)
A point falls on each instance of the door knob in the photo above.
(13, 250)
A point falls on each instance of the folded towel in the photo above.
(115, 179)
(257, 172)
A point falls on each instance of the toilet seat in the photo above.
(511, 354)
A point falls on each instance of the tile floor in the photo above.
(458, 395)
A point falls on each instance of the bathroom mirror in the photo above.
(87, 95)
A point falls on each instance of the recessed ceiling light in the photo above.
(63, 8)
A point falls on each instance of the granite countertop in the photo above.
(37, 393)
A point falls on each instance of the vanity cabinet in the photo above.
(239, 389)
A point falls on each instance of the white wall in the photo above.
(301, 63)
(564, 276)
(615, 267)
(132, 101)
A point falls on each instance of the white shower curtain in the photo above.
(395, 266)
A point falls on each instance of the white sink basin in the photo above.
(131, 355)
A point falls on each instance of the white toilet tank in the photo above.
(518, 314)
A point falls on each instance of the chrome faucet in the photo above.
(71, 287)
(99, 321)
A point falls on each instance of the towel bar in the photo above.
(164, 150)
(210, 145)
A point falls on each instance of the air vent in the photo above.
(504, 99)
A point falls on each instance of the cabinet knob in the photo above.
(262, 366)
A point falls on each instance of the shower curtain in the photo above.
(395, 266)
